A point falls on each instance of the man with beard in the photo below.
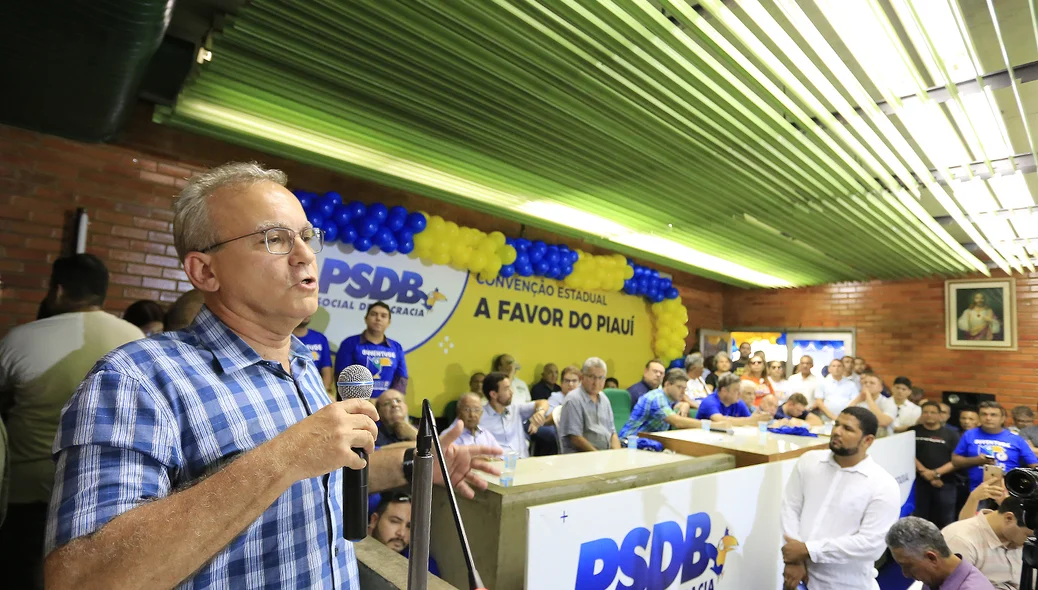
(390, 524)
(837, 507)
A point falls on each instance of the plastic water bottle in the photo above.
(507, 479)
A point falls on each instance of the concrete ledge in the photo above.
(381, 568)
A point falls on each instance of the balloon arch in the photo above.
(436, 241)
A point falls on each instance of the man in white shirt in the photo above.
(871, 398)
(41, 365)
(993, 542)
(504, 419)
(837, 508)
(804, 381)
(835, 392)
(470, 411)
(907, 413)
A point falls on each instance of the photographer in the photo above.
(992, 541)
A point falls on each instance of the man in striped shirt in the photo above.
(210, 457)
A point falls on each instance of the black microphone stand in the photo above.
(421, 518)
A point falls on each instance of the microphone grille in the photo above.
(354, 382)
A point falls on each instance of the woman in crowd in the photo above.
(755, 373)
(147, 315)
(722, 366)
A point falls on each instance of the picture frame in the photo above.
(980, 314)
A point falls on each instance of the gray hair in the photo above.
(676, 376)
(916, 536)
(720, 355)
(693, 361)
(594, 363)
(192, 226)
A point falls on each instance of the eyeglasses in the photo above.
(280, 240)
(472, 410)
(755, 362)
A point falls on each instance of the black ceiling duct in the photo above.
(72, 67)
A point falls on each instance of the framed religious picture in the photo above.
(980, 314)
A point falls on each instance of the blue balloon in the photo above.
(552, 256)
(566, 271)
(330, 231)
(541, 266)
(366, 227)
(405, 246)
(341, 216)
(573, 256)
(522, 244)
(383, 235)
(539, 245)
(403, 236)
(316, 220)
(655, 273)
(555, 271)
(534, 255)
(394, 224)
(510, 241)
(305, 199)
(389, 246)
(666, 283)
(362, 244)
(378, 211)
(397, 212)
(639, 271)
(325, 208)
(332, 197)
(347, 234)
(671, 293)
(521, 259)
(357, 209)
(415, 222)
(524, 270)
(506, 271)
(657, 297)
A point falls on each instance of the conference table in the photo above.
(746, 444)
(496, 519)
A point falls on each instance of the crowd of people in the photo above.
(111, 469)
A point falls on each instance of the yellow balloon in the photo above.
(507, 254)
(493, 266)
(461, 254)
(497, 238)
(683, 331)
(478, 261)
(488, 247)
(628, 272)
(451, 230)
(441, 257)
(434, 226)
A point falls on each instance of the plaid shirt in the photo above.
(648, 414)
(160, 413)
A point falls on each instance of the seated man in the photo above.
(390, 524)
(612, 383)
(992, 541)
(394, 425)
(725, 405)
(586, 423)
(918, 547)
(548, 384)
(794, 412)
(470, 411)
(651, 379)
(505, 422)
(748, 393)
(654, 411)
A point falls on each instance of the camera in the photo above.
(1022, 484)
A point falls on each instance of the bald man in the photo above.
(470, 410)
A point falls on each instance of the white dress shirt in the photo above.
(907, 414)
(804, 385)
(479, 437)
(842, 515)
(888, 407)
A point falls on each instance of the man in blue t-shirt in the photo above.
(382, 356)
(991, 444)
(318, 345)
(725, 405)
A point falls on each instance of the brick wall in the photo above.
(128, 187)
(900, 331)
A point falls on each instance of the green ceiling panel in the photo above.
(682, 148)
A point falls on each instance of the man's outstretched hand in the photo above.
(464, 461)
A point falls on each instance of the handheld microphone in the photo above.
(355, 382)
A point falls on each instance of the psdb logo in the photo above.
(691, 556)
(422, 298)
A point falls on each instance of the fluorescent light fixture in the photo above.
(987, 122)
(975, 197)
(556, 213)
(673, 250)
(588, 223)
(863, 34)
(930, 129)
(1012, 191)
(941, 29)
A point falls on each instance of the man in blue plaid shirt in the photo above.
(210, 457)
(662, 408)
